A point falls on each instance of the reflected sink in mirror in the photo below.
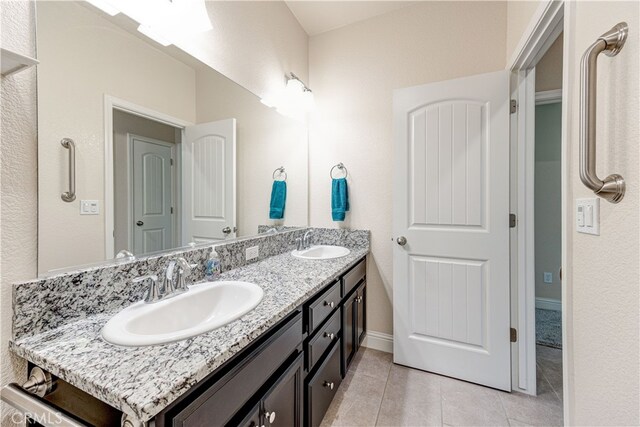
(321, 252)
(205, 307)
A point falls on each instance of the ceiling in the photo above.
(319, 16)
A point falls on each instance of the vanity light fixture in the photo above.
(295, 100)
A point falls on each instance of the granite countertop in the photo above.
(142, 381)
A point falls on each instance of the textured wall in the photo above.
(18, 179)
(354, 71)
(604, 271)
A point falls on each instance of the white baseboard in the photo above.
(549, 304)
(379, 341)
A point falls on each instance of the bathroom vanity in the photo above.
(279, 364)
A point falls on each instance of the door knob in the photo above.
(139, 223)
(328, 384)
(226, 230)
(401, 240)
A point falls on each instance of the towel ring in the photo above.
(280, 172)
(340, 166)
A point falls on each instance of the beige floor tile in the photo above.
(372, 362)
(357, 402)
(466, 404)
(411, 398)
(517, 423)
(542, 410)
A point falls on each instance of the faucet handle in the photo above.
(184, 268)
(153, 292)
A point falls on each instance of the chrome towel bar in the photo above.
(613, 186)
(70, 196)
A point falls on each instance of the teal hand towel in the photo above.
(339, 199)
(278, 199)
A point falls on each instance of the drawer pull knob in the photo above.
(328, 384)
(329, 335)
(271, 416)
(359, 300)
(329, 303)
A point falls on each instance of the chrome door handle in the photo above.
(401, 240)
(226, 230)
(139, 223)
(70, 196)
(612, 187)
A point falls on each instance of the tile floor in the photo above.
(376, 392)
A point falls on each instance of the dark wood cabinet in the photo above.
(282, 405)
(354, 328)
(322, 387)
(289, 376)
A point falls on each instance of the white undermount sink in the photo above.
(322, 252)
(206, 306)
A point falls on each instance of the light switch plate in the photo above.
(252, 253)
(588, 216)
(548, 277)
(89, 207)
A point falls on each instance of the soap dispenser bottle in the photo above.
(212, 266)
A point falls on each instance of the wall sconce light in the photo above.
(295, 100)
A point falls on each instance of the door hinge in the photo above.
(513, 220)
(171, 210)
(171, 162)
(513, 334)
(513, 106)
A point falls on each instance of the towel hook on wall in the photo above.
(341, 167)
(279, 172)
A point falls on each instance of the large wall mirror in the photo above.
(164, 150)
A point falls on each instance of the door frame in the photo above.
(113, 103)
(175, 178)
(545, 26)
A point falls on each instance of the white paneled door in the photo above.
(209, 181)
(152, 198)
(451, 229)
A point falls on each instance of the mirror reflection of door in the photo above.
(146, 184)
(151, 189)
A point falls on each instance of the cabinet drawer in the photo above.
(323, 339)
(321, 308)
(220, 402)
(323, 386)
(353, 277)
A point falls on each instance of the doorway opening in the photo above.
(548, 219)
(146, 183)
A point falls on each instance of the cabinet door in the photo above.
(361, 314)
(251, 420)
(348, 332)
(282, 405)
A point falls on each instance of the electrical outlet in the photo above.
(548, 277)
(251, 253)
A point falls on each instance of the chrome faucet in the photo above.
(306, 239)
(169, 288)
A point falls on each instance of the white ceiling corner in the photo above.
(319, 16)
